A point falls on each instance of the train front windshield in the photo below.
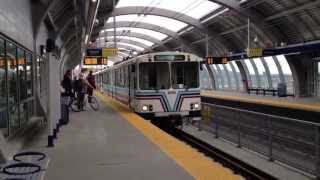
(185, 75)
(154, 76)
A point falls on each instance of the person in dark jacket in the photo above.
(92, 82)
(67, 84)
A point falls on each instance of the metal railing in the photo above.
(291, 141)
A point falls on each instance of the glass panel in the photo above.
(29, 74)
(237, 73)
(154, 34)
(318, 79)
(22, 74)
(205, 83)
(286, 73)
(274, 72)
(143, 41)
(252, 74)
(138, 48)
(185, 75)
(218, 77)
(232, 76)
(3, 91)
(224, 76)
(154, 76)
(12, 87)
(262, 72)
(169, 23)
(194, 8)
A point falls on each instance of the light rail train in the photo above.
(163, 84)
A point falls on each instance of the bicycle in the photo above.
(94, 104)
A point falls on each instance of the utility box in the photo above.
(282, 89)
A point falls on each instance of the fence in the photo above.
(291, 141)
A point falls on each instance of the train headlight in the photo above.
(196, 105)
(144, 107)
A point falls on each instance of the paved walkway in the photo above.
(102, 145)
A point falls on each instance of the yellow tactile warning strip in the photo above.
(195, 163)
(273, 102)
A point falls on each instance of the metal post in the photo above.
(270, 139)
(317, 148)
(248, 36)
(207, 45)
(239, 129)
(114, 26)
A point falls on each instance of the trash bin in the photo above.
(282, 90)
(64, 110)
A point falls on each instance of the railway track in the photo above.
(239, 167)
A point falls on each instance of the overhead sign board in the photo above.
(109, 52)
(95, 61)
(94, 52)
(255, 52)
(217, 60)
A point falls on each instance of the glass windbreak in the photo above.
(29, 74)
(274, 72)
(12, 85)
(318, 77)
(261, 73)
(287, 74)
(154, 76)
(3, 90)
(251, 73)
(237, 73)
(22, 74)
(205, 82)
(185, 75)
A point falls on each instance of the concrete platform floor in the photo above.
(101, 145)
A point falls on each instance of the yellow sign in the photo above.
(210, 60)
(224, 60)
(104, 61)
(90, 61)
(255, 52)
(109, 52)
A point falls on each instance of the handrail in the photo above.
(263, 114)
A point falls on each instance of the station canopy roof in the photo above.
(203, 27)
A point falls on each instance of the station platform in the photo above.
(113, 143)
(309, 104)
(306, 109)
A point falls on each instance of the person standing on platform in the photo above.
(92, 82)
(66, 93)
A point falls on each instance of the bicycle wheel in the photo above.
(94, 104)
(74, 105)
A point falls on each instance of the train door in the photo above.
(132, 82)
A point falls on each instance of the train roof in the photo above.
(147, 56)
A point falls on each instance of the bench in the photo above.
(257, 90)
(25, 166)
(273, 91)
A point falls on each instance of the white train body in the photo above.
(160, 84)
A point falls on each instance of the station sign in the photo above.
(255, 52)
(94, 52)
(217, 60)
(95, 61)
(109, 52)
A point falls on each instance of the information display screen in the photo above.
(169, 57)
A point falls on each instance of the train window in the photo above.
(185, 75)
(154, 76)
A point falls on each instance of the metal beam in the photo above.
(144, 26)
(231, 4)
(133, 42)
(127, 47)
(158, 12)
(132, 34)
